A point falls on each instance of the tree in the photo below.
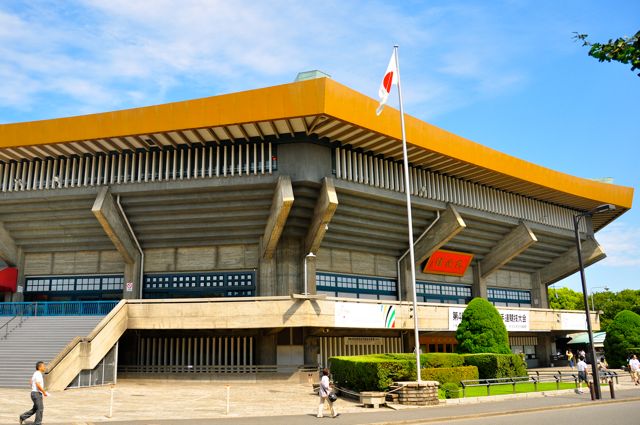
(624, 49)
(482, 329)
(609, 303)
(565, 299)
(623, 337)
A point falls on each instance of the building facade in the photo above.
(275, 220)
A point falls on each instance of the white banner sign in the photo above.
(514, 320)
(573, 322)
(357, 315)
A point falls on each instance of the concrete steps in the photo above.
(38, 339)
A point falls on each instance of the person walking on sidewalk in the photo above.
(325, 392)
(582, 373)
(634, 369)
(37, 394)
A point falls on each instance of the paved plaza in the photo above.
(263, 403)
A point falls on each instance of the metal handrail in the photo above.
(57, 308)
(6, 325)
(535, 380)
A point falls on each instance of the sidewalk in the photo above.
(167, 402)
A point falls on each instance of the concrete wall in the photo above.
(207, 258)
(509, 279)
(356, 262)
(304, 161)
(69, 263)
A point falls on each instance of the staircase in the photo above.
(39, 338)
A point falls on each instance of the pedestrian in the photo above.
(603, 366)
(634, 369)
(37, 393)
(582, 353)
(325, 392)
(582, 373)
(569, 354)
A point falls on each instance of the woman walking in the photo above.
(324, 392)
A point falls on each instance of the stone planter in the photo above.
(423, 394)
(372, 398)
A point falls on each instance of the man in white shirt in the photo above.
(634, 368)
(582, 373)
(37, 393)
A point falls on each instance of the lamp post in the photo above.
(606, 288)
(306, 281)
(576, 226)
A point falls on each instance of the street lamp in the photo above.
(306, 281)
(576, 225)
(606, 288)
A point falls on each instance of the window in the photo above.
(501, 297)
(443, 293)
(208, 284)
(75, 284)
(356, 286)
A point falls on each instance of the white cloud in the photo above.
(621, 242)
(93, 55)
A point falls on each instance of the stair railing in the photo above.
(6, 325)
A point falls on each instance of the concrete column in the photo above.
(289, 265)
(311, 273)
(567, 264)
(509, 247)
(539, 293)
(8, 247)
(267, 275)
(311, 348)
(479, 287)
(114, 224)
(280, 208)
(448, 225)
(267, 349)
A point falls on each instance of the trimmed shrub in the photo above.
(482, 330)
(492, 366)
(369, 373)
(623, 335)
(432, 359)
(450, 375)
(451, 390)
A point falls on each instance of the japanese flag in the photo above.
(390, 78)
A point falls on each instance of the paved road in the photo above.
(618, 414)
(568, 408)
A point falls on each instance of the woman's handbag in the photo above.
(332, 397)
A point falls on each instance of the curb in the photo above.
(511, 412)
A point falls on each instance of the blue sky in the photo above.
(506, 74)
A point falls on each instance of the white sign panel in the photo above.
(360, 315)
(573, 322)
(514, 320)
(129, 287)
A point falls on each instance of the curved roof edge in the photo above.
(311, 97)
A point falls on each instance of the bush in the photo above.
(482, 329)
(450, 375)
(432, 359)
(623, 334)
(451, 390)
(376, 372)
(491, 366)
(369, 373)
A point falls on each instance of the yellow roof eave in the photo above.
(305, 98)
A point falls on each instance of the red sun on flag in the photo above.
(387, 81)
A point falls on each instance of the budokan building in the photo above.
(263, 230)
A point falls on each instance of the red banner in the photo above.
(8, 279)
(451, 263)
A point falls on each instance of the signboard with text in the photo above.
(514, 320)
(357, 315)
(450, 263)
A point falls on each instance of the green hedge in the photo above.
(450, 375)
(377, 372)
(450, 390)
(497, 365)
(369, 373)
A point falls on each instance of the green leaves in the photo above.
(624, 50)
(482, 329)
(623, 338)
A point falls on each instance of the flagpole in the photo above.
(407, 191)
